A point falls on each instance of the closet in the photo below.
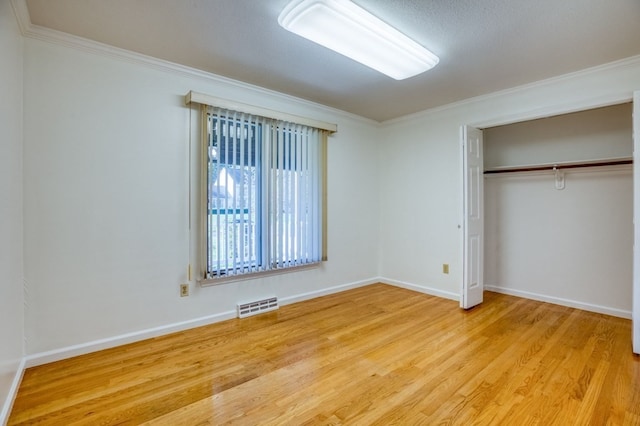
(558, 208)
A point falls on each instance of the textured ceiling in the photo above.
(484, 46)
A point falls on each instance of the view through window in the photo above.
(264, 194)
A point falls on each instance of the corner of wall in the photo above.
(12, 329)
(13, 392)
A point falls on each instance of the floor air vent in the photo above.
(257, 307)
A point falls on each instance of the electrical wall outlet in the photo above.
(445, 268)
(184, 290)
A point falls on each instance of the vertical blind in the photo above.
(264, 184)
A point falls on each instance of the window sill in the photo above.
(255, 275)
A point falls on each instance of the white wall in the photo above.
(106, 199)
(11, 292)
(572, 246)
(586, 135)
(421, 172)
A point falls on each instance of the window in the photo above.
(262, 194)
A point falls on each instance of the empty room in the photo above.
(286, 212)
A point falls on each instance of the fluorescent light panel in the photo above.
(348, 29)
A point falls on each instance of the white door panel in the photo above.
(473, 220)
(636, 223)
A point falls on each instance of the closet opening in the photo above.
(558, 209)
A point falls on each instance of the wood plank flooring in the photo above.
(376, 355)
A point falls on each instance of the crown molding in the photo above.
(595, 102)
(21, 11)
(37, 32)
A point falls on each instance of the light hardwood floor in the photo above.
(374, 355)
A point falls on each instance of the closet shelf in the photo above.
(561, 165)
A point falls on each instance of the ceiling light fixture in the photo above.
(348, 29)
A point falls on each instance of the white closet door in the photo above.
(473, 218)
(636, 223)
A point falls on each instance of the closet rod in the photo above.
(558, 166)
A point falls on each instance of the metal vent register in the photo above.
(257, 307)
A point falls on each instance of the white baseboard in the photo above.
(110, 342)
(13, 392)
(325, 291)
(123, 339)
(560, 301)
(96, 345)
(421, 289)
(84, 348)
